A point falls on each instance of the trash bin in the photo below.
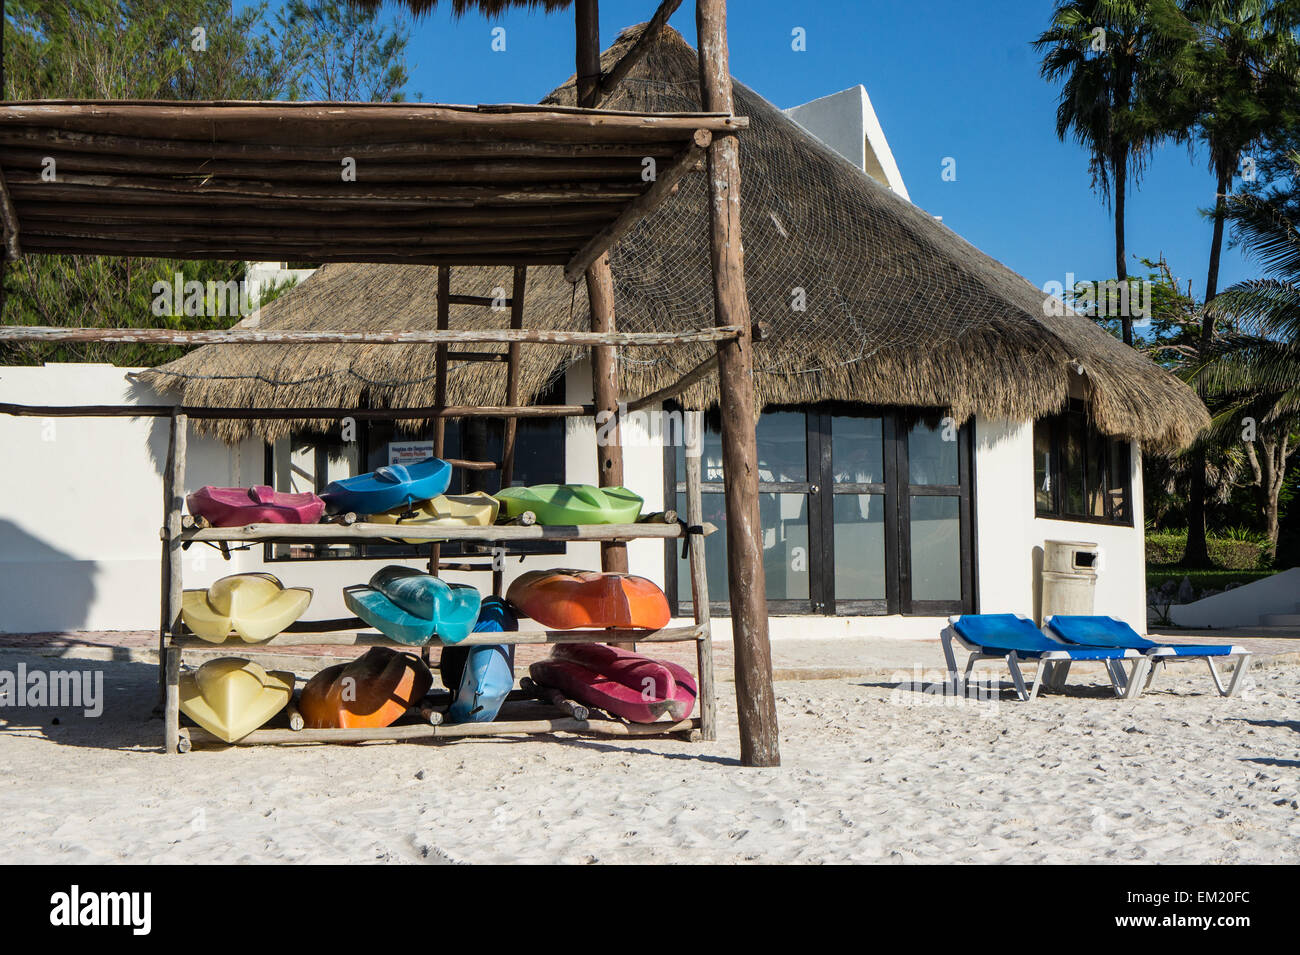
(1069, 577)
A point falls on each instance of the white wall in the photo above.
(81, 502)
(1008, 533)
(81, 507)
(847, 123)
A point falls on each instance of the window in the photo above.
(1080, 474)
(863, 511)
(308, 462)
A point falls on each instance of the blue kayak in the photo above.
(413, 607)
(397, 485)
(480, 677)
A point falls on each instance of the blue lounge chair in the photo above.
(1013, 638)
(1109, 632)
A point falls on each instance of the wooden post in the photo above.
(440, 387)
(746, 585)
(600, 300)
(519, 287)
(694, 426)
(169, 659)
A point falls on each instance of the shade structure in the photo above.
(336, 182)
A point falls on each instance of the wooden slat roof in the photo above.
(434, 184)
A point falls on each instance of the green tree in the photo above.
(341, 53)
(1110, 57)
(1251, 372)
(1242, 88)
(166, 50)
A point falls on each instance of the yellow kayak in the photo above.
(445, 510)
(255, 606)
(231, 697)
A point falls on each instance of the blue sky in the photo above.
(948, 78)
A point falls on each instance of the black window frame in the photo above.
(897, 492)
(1059, 425)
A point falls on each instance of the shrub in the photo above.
(1238, 550)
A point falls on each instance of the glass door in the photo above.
(864, 511)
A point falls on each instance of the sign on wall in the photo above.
(409, 452)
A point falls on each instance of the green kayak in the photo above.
(572, 503)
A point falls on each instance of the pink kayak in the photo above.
(620, 682)
(237, 506)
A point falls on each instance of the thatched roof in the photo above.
(899, 309)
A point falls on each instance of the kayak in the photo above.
(257, 607)
(230, 697)
(445, 510)
(262, 504)
(383, 489)
(568, 504)
(620, 682)
(569, 599)
(412, 607)
(372, 691)
(480, 677)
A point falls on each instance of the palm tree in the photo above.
(1251, 372)
(1239, 89)
(1108, 56)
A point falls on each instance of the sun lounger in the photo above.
(1109, 632)
(1013, 638)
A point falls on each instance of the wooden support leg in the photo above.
(756, 702)
(600, 301)
(700, 583)
(172, 705)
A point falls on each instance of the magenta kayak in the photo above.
(620, 682)
(237, 506)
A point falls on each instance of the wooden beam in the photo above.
(513, 357)
(54, 207)
(609, 80)
(446, 731)
(46, 138)
(664, 185)
(357, 636)
(352, 125)
(9, 218)
(257, 336)
(700, 371)
(600, 301)
(443, 306)
(497, 532)
(214, 413)
(174, 491)
(746, 584)
(434, 169)
(219, 190)
(700, 579)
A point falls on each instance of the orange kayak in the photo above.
(570, 599)
(372, 691)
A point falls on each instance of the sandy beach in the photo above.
(873, 771)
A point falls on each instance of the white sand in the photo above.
(871, 772)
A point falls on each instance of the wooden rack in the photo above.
(541, 715)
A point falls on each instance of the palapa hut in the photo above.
(931, 418)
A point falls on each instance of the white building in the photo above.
(914, 479)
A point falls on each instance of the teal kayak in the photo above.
(481, 677)
(572, 503)
(413, 607)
